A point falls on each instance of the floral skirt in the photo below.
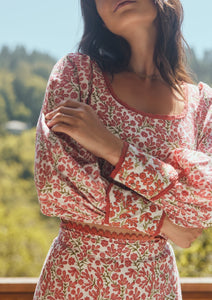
(87, 266)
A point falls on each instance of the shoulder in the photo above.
(200, 104)
(199, 96)
(205, 92)
(72, 64)
(199, 91)
(81, 61)
(77, 58)
(71, 77)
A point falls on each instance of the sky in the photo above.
(55, 27)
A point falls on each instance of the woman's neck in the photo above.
(142, 43)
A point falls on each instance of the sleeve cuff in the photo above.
(121, 160)
(160, 224)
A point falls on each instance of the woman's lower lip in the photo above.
(123, 4)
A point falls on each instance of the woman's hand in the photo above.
(79, 121)
(181, 236)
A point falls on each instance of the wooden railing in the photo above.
(23, 288)
(196, 288)
(17, 288)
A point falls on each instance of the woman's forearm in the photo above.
(181, 236)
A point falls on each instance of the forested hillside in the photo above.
(23, 79)
(25, 235)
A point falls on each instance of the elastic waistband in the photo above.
(70, 225)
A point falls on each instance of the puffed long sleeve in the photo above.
(68, 178)
(182, 184)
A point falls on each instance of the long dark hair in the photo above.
(112, 52)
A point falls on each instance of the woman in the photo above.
(123, 156)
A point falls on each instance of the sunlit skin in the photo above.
(136, 22)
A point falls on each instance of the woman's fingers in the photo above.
(61, 118)
(67, 115)
(62, 114)
(61, 127)
(65, 108)
(80, 122)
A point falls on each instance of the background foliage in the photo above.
(26, 235)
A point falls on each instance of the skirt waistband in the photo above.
(70, 225)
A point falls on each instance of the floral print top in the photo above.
(165, 167)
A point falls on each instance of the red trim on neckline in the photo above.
(145, 114)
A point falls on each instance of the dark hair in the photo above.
(112, 52)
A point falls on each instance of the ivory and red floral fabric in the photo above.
(166, 165)
(165, 168)
(89, 267)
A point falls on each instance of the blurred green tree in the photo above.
(25, 234)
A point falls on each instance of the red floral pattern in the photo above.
(181, 184)
(71, 182)
(91, 267)
(166, 166)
